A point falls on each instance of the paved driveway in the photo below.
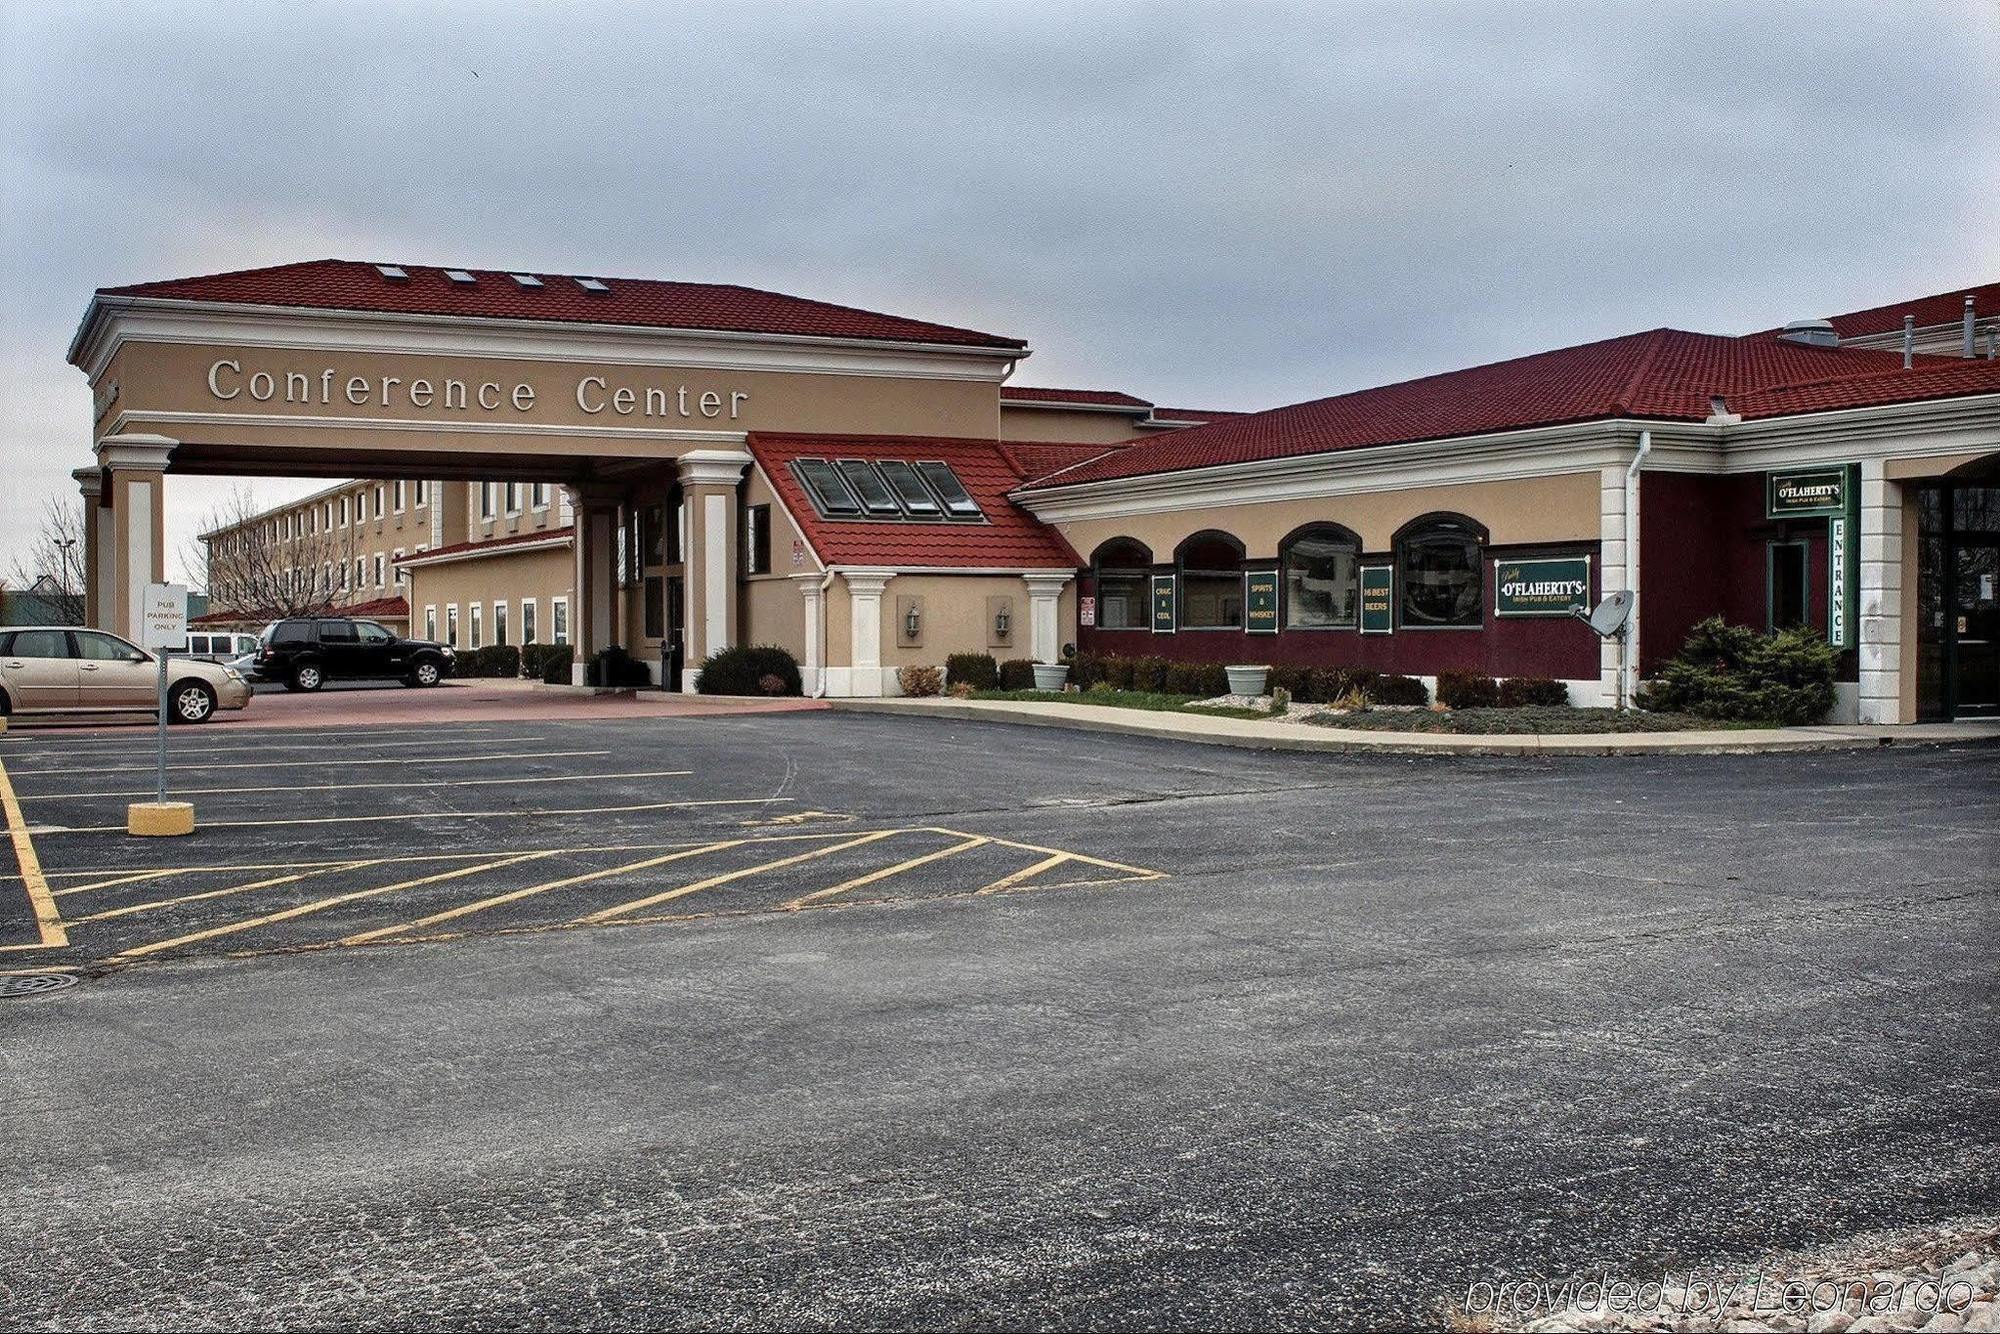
(1288, 1039)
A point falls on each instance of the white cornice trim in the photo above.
(1044, 405)
(113, 321)
(1013, 571)
(495, 549)
(371, 424)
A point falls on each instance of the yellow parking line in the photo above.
(1049, 862)
(317, 764)
(48, 922)
(341, 787)
(1139, 871)
(133, 878)
(317, 905)
(440, 815)
(515, 895)
(973, 841)
(635, 905)
(125, 910)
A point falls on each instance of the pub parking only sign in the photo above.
(1542, 587)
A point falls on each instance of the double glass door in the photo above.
(1959, 601)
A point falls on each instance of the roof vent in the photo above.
(463, 277)
(1813, 333)
(526, 279)
(395, 273)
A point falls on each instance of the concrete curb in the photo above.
(1252, 734)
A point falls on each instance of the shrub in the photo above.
(1017, 674)
(920, 682)
(1118, 673)
(1734, 673)
(1330, 684)
(1281, 701)
(1150, 673)
(1532, 692)
(977, 670)
(1211, 679)
(503, 660)
(1354, 701)
(1397, 690)
(1467, 690)
(556, 664)
(535, 659)
(963, 690)
(762, 669)
(1294, 681)
(1086, 670)
(615, 667)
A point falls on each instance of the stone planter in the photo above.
(1247, 680)
(1051, 675)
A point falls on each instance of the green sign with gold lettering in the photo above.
(1260, 602)
(1378, 599)
(1163, 604)
(1541, 587)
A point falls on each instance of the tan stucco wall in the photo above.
(775, 613)
(1561, 508)
(541, 575)
(1055, 424)
(953, 617)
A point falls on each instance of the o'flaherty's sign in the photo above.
(1831, 492)
(1805, 493)
(1543, 587)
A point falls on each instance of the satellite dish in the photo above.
(1610, 615)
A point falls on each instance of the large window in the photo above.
(1211, 570)
(1439, 564)
(528, 626)
(559, 620)
(757, 539)
(1124, 570)
(451, 624)
(476, 614)
(500, 623)
(1321, 566)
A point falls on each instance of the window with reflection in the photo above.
(1322, 572)
(1439, 564)
(1124, 570)
(1211, 570)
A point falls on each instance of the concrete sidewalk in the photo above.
(1260, 734)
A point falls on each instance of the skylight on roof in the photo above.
(593, 284)
(526, 279)
(910, 489)
(891, 489)
(876, 497)
(826, 488)
(395, 273)
(957, 502)
(460, 276)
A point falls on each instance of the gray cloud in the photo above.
(1220, 204)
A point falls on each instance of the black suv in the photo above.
(307, 652)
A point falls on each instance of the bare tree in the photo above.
(53, 568)
(263, 565)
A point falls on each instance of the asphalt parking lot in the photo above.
(837, 1020)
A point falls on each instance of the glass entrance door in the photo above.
(1975, 612)
(1958, 599)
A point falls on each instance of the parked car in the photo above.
(307, 652)
(47, 669)
(215, 646)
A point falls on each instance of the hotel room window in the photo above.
(757, 539)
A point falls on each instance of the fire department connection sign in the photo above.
(1541, 587)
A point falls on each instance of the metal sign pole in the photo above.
(160, 793)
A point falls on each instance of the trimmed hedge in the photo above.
(1397, 690)
(1533, 692)
(977, 670)
(614, 666)
(1465, 690)
(1017, 674)
(1735, 674)
(556, 662)
(763, 669)
(535, 659)
(493, 661)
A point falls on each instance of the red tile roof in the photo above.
(1940, 308)
(1039, 458)
(1195, 414)
(487, 544)
(1009, 539)
(1665, 374)
(1087, 398)
(341, 284)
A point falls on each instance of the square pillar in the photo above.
(592, 624)
(96, 537)
(815, 598)
(1880, 646)
(1612, 573)
(134, 494)
(864, 623)
(1045, 614)
(709, 480)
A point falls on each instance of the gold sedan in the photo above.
(49, 669)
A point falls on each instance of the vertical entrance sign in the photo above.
(1378, 599)
(1831, 492)
(1164, 613)
(163, 625)
(1260, 602)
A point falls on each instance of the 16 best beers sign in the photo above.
(230, 381)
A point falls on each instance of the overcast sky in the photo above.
(1224, 205)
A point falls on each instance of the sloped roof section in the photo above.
(341, 284)
(1009, 538)
(1664, 374)
(1938, 308)
(1083, 398)
(497, 545)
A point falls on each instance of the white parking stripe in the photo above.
(343, 787)
(320, 764)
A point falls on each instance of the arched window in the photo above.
(1320, 563)
(1211, 570)
(1124, 570)
(1440, 569)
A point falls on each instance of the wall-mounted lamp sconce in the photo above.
(1003, 622)
(912, 623)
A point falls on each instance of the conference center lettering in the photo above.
(594, 394)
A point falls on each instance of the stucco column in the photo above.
(1881, 597)
(136, 547)
(1045, 614)
(95, 537)
(709, 478)
(592, 626)
(1612, 573)
(815, 597)
(864, 622)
